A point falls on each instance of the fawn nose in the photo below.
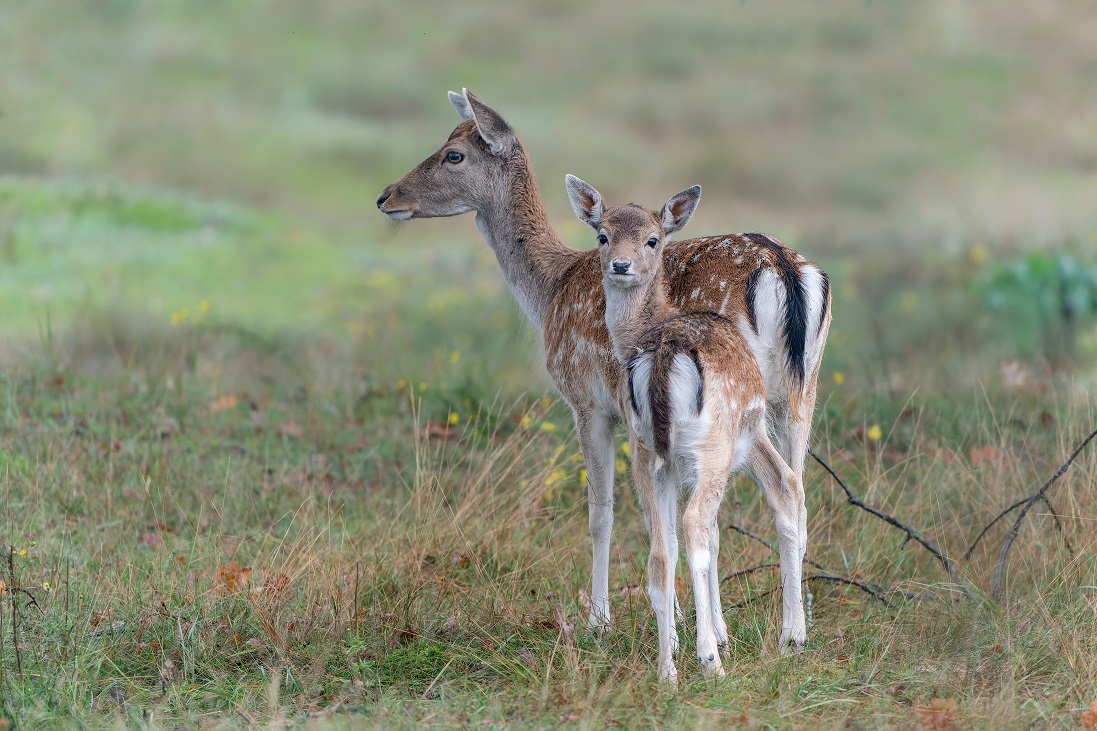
(621, 266)
(385, 195)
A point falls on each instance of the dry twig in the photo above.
(1028, 503)
(950, 569)
(1010, 509)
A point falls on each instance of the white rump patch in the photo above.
(769, 304)
(813, 289)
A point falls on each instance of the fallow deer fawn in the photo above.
(778, 301)
(696, 401)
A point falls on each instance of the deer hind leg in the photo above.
(785, 495)
(719, 625)
(698, 524)
(660, 506)
(596, 440)
(791, 437)
(647, 488)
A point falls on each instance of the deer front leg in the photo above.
(596, 440)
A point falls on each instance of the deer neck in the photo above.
(529, 251)
(630, 311)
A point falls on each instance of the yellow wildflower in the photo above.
(839, 377)
(22, 552)
(875, 432)
(455, 356)
(453, 417)
(548, 426)
(401, 384)
(203, 307)
(526, 421)
(422, 386)
(624, 449)
(546, 402)
(619, 464)
(978, 254)
(582, 475)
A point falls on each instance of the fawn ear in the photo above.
(585, 201)
(461, 104)
(493, 129)
(679, 209)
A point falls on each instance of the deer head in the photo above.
(630, 238)
(464, 174)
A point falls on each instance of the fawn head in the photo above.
(630, 238)
(461, 174)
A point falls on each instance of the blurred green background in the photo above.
(215, 165)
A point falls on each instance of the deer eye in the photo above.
(454, 156)
(602, 239)
(653, 241)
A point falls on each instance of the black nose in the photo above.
(385, 195)
(621, 267)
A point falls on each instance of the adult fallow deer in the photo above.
(778, 300)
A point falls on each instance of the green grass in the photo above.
(275, 461)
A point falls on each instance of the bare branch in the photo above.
(770, 546)
(1010, 509)
(869, 589)
(911, 533)
(876, 592)
(751, 570)
(1029, 502)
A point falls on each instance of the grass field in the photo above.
(267, 460)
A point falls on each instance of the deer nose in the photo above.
(620, 266)
(385, 195)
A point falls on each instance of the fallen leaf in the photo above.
(222, 403)
(939, 715)
(563, 622)
(986, 454)
(441, 430)
(1088, 721)
(151, 539)
(290, 429)
(277, 586)
(232, 576)
(944, 454)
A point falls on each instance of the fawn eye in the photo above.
(454, 156)
(602, 239)
(653, 241)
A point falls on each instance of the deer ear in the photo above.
(585, 201)
(461, 104)
(493, 129)
(679, 209)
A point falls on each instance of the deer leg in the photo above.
(719, 626)
(698, 522)
(792, 444)
(662, 512)
(596, 440)
(784, 494)
(647, 487)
